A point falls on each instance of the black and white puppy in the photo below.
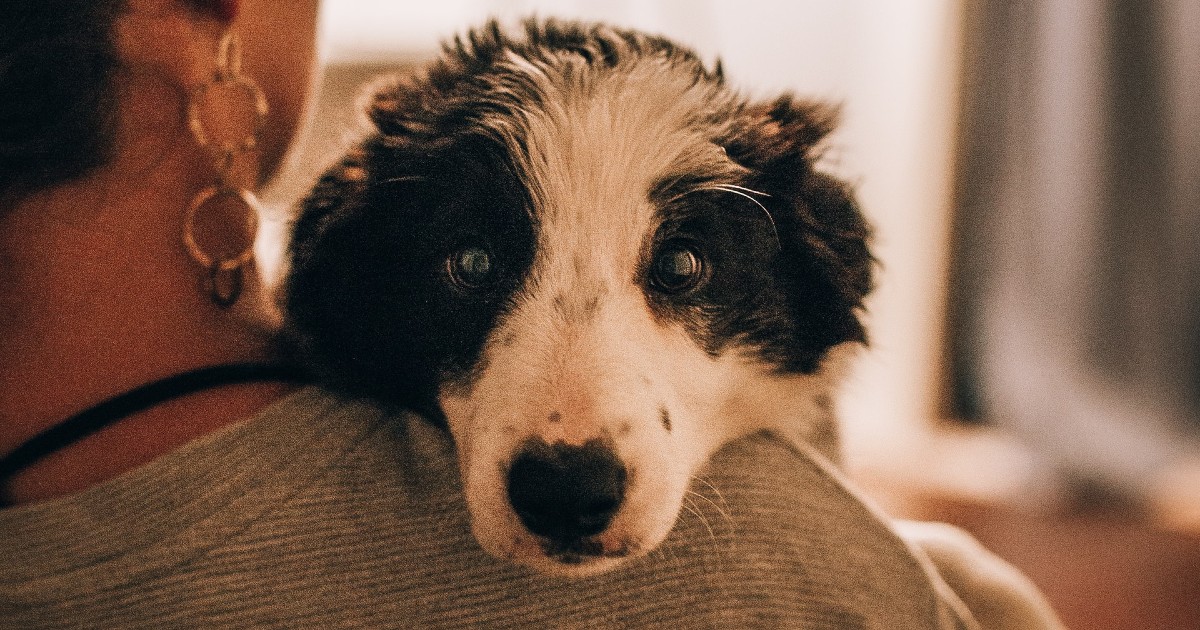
(598, 263)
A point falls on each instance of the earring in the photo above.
(238, 104)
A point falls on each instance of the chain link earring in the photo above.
(224, 115)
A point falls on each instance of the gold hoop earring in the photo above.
(224, 203)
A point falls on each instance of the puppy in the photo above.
(596, 263)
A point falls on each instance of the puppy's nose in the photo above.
(566, 492)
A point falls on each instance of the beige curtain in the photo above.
(1075, 304)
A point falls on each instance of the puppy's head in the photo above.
(597, 261)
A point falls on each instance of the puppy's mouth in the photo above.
(583, 551)
(567, 497)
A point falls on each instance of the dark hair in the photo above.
(58, 109)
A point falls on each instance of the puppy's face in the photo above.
(598, 263)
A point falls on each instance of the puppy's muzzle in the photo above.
(567, 494)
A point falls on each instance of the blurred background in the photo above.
(1032, 170)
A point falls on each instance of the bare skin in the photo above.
(97, 293)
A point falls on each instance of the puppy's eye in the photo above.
(471, 268)
(677, 267)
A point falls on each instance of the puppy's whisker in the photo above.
(714, 488)
(703, 521)
(721, 507)
(715, 505)
(404, 178)
(695, 509)
(748, 193)
(662, 552)
(741, 191)
(720, 511)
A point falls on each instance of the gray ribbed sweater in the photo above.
(323, 513)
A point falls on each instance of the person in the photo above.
(161, 469)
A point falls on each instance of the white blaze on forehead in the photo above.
(593, 146)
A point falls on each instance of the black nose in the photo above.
(565, 492)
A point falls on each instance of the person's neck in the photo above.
(99, 296)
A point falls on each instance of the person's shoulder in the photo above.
(782, 518)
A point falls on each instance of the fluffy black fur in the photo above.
(368, 291)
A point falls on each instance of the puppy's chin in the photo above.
(606, 552)
(531, 554)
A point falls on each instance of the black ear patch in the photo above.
(824, 266)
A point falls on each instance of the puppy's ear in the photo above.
(769, 134)
(823, 235)
(397, 113)
(424, 105)
(404, 110)
(321, 238)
